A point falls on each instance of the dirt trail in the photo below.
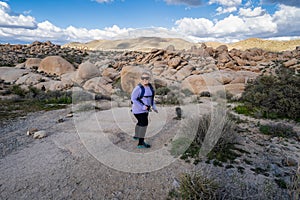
(64, 166)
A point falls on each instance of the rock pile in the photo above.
(198, 70)
(12, 55)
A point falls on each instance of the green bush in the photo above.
(244, 110)
(197, 186)
(277, 130)
(276, 96)
(162, 91)
(16, 89)
(224, 147)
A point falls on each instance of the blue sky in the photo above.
(63, 21)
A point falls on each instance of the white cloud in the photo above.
(288, 20)
(227, 6)
(258, 11)
(238, 27)
(17, 21)
(227, 3)
(195, 27)
(221, 10)
(256, 22)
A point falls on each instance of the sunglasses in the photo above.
(145, 78)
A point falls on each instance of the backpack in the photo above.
(143, 92)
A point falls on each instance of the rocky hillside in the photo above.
(148, 43)
(137, 44)
(12, 55)
(102, 80)
(195, 70)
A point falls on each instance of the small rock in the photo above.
(175, 183)
(69, 115)
(31, 131)
(288, 161)
(40, 135)
(61, 120)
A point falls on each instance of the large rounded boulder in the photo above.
(55, 65)
(87, 71)
(130, 77)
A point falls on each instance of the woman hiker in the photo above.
(142, 99)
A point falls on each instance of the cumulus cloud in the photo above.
(14, 21)
(258, 11)
(288, 20)
(194, 26)
(221, 10)
(249, 23)
(227, 6)
(227, 3)
(184, 2)
(295, 3)
(255, 22)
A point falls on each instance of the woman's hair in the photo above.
(146, 73)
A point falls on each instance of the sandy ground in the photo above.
(67, 164)
(92, 156)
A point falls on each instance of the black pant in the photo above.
(142, 119)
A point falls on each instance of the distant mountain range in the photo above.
(148, 43)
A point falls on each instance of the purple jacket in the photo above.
(137, 106)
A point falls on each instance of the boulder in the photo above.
(235, 89)
(200, 83)
(30, 79)
(130, 77)
(174, 62)
(86, 71)
(11, 75)
(32, 63)
(99, 85)
(55, 65)
(53, 85)
(110, 73)
(291, 62)
(183, 73)
(68, 78)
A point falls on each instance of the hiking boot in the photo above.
(144, 145)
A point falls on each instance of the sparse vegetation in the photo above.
(278, 130)
(294, 186)
(171, 98)
(273, 96)
(223, 150)
(162, 91)
(32, 100)
(195, 186)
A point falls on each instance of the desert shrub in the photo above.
(187, 92)
(275, 96)
(294, 186)
(162, 91)
(196, 186)
(171, 98)
(277, 130)
(224, 148)
(16, 89)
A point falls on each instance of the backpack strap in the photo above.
(153, 93)
(142, 94)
